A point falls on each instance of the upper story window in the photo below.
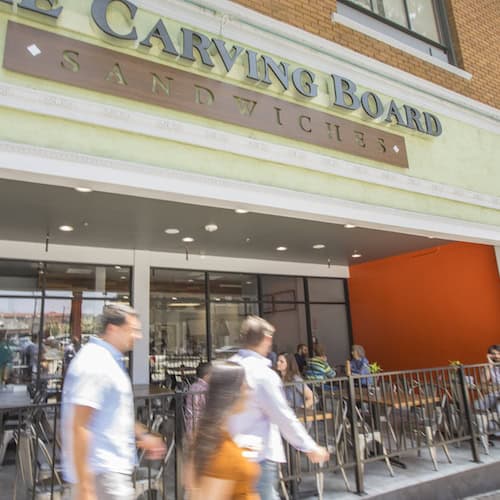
(420, 24)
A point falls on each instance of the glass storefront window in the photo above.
(282, 289)
(106, 282)
(71, 297)
(228, 287)
(170, 283)
(226, 319)
(326, 290)
(330, 326)
(291, 326)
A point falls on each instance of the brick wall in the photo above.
(475, 31)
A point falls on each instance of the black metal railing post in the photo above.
(468, 413)
(353, 419)
(179, 452)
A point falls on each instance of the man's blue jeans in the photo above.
(268, 480)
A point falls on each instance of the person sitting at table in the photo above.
(493, 358)
(297, 393)
(359, 364)
(301, 357)
(317, 367)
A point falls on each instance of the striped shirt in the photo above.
(318, 369)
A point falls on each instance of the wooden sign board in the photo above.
(46, 55)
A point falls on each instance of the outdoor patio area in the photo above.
(415, 434)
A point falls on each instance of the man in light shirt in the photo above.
(267, 413)
(98, 430)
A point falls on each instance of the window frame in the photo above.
(441, 17)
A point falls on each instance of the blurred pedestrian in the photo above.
(218, 467)
(267, 413)
(98, 430)
(196, 399)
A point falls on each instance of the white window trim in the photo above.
(389, 40)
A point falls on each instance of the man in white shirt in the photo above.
(267, 413)
(98, 430)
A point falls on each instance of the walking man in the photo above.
(267, 413)
(98, 429)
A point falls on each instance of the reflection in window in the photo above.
(70, 314)
(291, 326)
(282, 289)
(418, 16)
(226, 321)
(225, 286)
(423, 18)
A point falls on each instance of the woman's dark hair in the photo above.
(292, 370)
(224, 390)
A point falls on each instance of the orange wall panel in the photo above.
(425, 308)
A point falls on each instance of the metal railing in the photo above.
(359, 418)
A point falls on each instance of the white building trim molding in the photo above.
(35, 164)
(115, 117)
(144, 259)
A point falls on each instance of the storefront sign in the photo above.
(46, 55)
(259, 68)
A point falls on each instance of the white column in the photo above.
(140, 297)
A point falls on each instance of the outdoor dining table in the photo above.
(394, 401)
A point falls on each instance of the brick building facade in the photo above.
(474, 31)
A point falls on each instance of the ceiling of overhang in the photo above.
(28, 211)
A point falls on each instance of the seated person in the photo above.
(301, 357)
(317, 367)
(493, 358)
(359, 364)
(297, 395)
(490, 399)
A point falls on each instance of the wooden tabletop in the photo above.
(314, 417)
(408, 401)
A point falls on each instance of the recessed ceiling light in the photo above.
(174, 298)
(85, 224)
(211, 228)
(430, 237)
(125, 297)
(190, 281)
(282, 249)
(318, 246)
(188, 239)
(248, 282)
(241, 211)
(349, 226)
(82, 189)
(172, 230)
(356, 255)
(217, 299)
(123, 277)
(66, 229)
(118, 267)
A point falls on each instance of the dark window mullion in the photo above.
(208, 322)
(407, 13)
(308, 317)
